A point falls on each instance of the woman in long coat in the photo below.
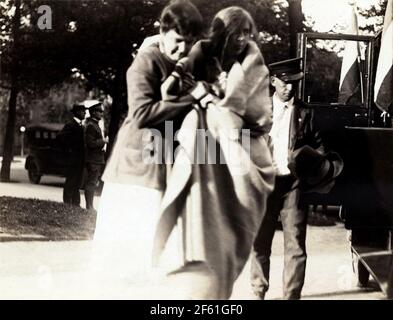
(221, 195)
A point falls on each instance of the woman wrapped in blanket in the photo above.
(221, 203)
(135, 181)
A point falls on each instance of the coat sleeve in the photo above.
(93, 139)
(144, 96)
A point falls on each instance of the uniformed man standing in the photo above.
(95, 151)
(292, 129)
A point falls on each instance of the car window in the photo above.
(330, 66)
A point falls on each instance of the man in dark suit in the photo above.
(292, 129)
(72, 138)
(95, 151)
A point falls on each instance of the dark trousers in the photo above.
(284, 202)
(94, 171)
(72, 184)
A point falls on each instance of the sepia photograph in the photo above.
(175, 150)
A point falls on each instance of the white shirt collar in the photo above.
(278, 103)
(280, 134)
(78, 120)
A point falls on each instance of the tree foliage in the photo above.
(372, 17)
(97, 37)
(92, 41)
(95, 40)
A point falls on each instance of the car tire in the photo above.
(33, 173)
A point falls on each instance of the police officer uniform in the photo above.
(95, 153)
(292, 129)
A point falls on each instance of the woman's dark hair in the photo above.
(183, 17)
(225, 24)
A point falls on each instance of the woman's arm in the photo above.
(147, 105)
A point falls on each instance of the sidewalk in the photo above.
(53, 270)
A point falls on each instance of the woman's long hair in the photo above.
(225, 24)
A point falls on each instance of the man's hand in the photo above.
(106, 140)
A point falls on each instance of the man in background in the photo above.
(72, 138)
(95, 151)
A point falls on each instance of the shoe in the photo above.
(260, 295)
(292, 296)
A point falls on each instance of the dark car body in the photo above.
(363, 136)
(46, 155)
(319, 90)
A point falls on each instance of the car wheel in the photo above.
(34, 175)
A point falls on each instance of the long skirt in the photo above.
(121, 255)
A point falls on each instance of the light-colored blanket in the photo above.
(247, 91)
(222, 204)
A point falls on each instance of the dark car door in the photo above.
(322, 90)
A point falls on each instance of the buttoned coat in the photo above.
(71, 137)
(94, 142)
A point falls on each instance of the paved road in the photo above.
(54, 270)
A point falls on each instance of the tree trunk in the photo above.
(8, 150)
(119, 104)
(295, 19)
(10, 126)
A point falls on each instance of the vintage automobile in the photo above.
(46, 155)
(355, 129)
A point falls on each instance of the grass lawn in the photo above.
(59, 221)
(53, 220)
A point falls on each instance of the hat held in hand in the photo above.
(315, 172)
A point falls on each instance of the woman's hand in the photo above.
(222, 80)
(220, 85)
(208, 99)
